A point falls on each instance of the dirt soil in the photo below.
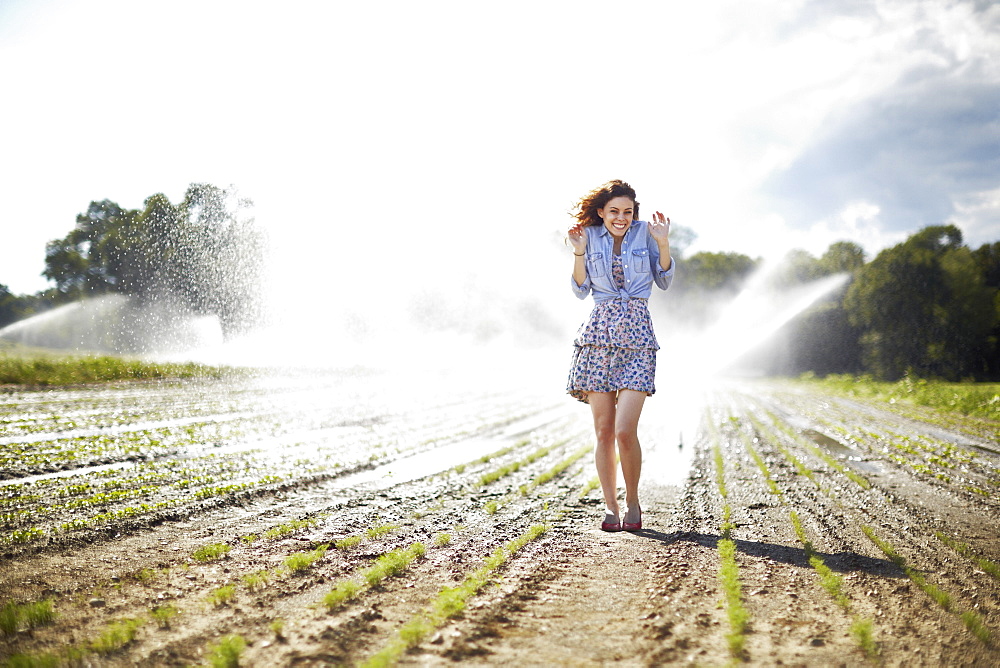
(925, 485)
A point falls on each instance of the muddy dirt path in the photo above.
(805, 530)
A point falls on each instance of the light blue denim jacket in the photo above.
(640, 259)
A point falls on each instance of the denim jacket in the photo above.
(640, 260)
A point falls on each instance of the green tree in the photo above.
(987, 257)
(842, 256)
(204, 255)
(717, 271)
(796, 268)
(87, 261)
(822, 339)
(709, 281)
(920, 305)
(12, 307)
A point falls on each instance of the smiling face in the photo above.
(617, 215)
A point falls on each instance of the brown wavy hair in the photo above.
(588, 206)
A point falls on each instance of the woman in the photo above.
(617, 258)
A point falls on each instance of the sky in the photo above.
(414, 138)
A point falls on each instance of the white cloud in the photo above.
(977, 214)
(481, 124)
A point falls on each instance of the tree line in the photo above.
(928, 307)
(204, 255)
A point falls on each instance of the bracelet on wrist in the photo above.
(579, 254)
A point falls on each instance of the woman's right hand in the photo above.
(577, 239)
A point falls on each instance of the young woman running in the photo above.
(618, 258)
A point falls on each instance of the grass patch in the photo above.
(370, 533)
(288, 528)
(300, 561)
(830, 581)
(14, 616)
(392, 563)
(800, 467)
(33, 661)
(207, 553)
(377, 532)
(729, 570)
(972, 399)
(163, 614)
(862, 632)
(348, 542)
(222, 595)
(117, 635)
(226, 653)
(720, 470)
(24, 535)
(257, 580)
(20, 365)
(345, 590)
(513, 467)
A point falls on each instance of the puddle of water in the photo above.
(841, 451)
(65, 474)
(421, 465)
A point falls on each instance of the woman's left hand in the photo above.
(659, 227)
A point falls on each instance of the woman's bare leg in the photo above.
(603, 406)
(627, 435)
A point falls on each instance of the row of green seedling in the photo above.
(493, 505)
(861, 628)
(386, 565)
(927, 457)
(972, 620)
(944, 455)
(820, 454)
(115, 636)
(294, 563)
(30, 534)
(449, 602)
(729, 570)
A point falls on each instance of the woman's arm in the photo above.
(663, 271)
(578, 240)
(659, 229)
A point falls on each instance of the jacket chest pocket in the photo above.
(595, 264)
(640, 260)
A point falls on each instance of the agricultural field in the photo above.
(359, 519)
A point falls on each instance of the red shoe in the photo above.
(633, 526)
(611, 526)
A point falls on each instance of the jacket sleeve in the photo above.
(581, 291)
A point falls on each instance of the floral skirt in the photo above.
(615, 349)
